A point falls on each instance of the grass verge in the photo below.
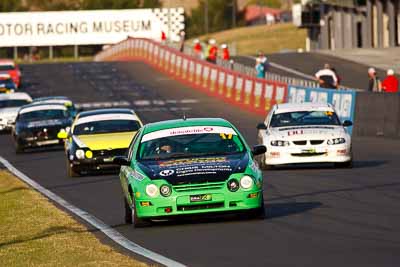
(33, 232)
(268, 38)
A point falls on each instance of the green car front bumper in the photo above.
(186, 202)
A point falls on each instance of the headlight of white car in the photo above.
(279, 143)
(336, 141)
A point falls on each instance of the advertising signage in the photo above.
(87, 27)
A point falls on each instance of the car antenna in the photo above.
(184, 116)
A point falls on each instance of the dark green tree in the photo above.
(119, 4)
(221, 15)
(10, 5)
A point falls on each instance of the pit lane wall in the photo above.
(247, 92)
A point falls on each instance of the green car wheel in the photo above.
(132, 218)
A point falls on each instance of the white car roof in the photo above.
(105, 117)
(31, 108)
(21, 96)
(306, 106)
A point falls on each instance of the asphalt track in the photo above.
(317, 216)
(352, 74)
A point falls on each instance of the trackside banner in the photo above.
(87, 27)
(344, 101)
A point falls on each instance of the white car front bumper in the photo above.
(308, 154)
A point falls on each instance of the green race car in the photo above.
(189, 166)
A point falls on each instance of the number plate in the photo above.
(311, 150)
(199, 198)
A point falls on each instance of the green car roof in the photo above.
(162, 125)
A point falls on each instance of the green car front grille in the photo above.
(199, 187)
(200, 206)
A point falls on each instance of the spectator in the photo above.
(264, 60)
(225, 52)
(182, 40)
(260, 69)
(212, 51)
(390, 84)
(339, 79)
(163, 37)
(326, 77)
(374, 83)
(197, 48)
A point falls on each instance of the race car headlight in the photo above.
(165, 190)
(89, 154)
(279, 143)
(336, 141)
(233, 185)
(80, 154)
(246, 182)
(151, 190)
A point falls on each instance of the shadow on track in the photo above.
(75, 181)
(348, 189)
(321, 166)
(272, 210)
(276, 210)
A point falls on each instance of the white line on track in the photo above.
(92, 220)
(139, 103)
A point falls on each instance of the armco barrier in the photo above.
(245, 91)
(344, 101)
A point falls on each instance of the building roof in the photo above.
(253, 12)
(306, 106)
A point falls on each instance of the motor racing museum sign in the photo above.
(87, 27)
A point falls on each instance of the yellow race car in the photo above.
(96, 137)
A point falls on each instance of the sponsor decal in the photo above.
(138, 176)
(176, 162)
(196, 166)
(166, 172)
(34, 124)
(295, 132)
(199, 198)
(188, 130)
(107, 117)
(42, 107)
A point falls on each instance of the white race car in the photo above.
(304, 133)
(9, 106)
